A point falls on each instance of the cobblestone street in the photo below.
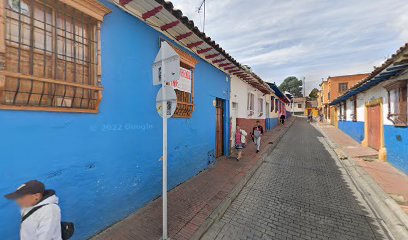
(298, 193)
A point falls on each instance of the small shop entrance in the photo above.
(219, 128)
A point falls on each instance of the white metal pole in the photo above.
(164, 113)
(164, 167)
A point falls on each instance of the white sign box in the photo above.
(166, 65)
(169, 97)
(184, 83)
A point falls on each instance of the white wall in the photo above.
(272, 114)
(239, 95)
(297, 109)
(365, 97)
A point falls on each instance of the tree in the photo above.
(292, 85)
(314, 93)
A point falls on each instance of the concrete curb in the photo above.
(380, 202)
(223, 206)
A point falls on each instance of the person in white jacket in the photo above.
(243, 137)
(41, 215)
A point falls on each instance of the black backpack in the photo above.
(67, 228)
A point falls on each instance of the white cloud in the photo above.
(311, 38)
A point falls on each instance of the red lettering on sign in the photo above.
(185, 74)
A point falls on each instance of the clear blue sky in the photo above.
(308, 38)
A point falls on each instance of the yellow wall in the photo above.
(315, 112)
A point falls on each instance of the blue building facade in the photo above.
(396, 140)
(353, 129)
(280, 103)
(374, 112)
(271, 123)
(106, 166)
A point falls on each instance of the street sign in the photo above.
(166, 69)
(184, 83)
(169, 97)
(166, 66)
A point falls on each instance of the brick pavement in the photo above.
(298, 193)
(392, 181)
(193, 201)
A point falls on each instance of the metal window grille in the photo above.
(51, 56)
(185, 100)
(185, 106)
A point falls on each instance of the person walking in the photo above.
(257, 132)
(238, 142)
(41, 215)
(244, 134)
(282, 119)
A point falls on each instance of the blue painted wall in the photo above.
(396, 142)
(271, 123)
(106, 166)
(353, 129)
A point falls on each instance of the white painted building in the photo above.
(375, 111)
(248, 105)
(299, 106)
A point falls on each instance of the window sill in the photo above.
(48, 109)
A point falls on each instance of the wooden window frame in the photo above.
(261, 107)
(272, 104)
(185, 101)
(340, 87)
(400, 118)
(91, 9)
(251, 103)
(354, 116)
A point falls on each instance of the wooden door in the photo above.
(374, 126)
(334, 116)
(219, 128)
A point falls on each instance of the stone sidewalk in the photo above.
(191, 204)
(392, 181)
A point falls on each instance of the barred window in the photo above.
(184, 87)
(343, 87)
(260, 107)
(185, 99)
(272, 104)
(354, 113)
(397, 103)
(250, 104)
(51, 58)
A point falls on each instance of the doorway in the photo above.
(219, 128)
(374, 126)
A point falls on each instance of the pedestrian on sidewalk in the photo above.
(257, 132)
(41, 215)
(244, 134)
(282, 119)
(240, 135)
